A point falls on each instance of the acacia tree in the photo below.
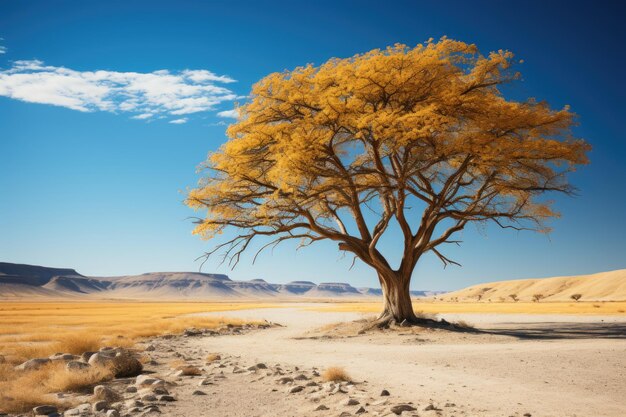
(421, 137)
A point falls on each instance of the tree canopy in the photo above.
(319, 151)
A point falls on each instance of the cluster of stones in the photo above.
(120, 361)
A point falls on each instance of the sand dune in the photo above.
(603, 286)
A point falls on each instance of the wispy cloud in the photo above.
(145, 95)
(3, 49)
(228, 113)
(179, 121)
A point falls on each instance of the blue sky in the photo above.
(93, 170)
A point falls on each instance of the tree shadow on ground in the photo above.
(556, 330)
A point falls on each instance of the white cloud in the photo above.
(143, 116)
(3, 49)
(145, 95)
(228, 113)
(179, 121)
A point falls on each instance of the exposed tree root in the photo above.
(386, 321)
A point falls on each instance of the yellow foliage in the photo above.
(422, 135)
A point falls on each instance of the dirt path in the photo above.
(484, 375)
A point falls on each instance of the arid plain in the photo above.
(554, 359)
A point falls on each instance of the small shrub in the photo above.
(514, 297)
(576, 297)
(335, 374)
(537, 297)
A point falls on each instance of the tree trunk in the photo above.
(397, 301)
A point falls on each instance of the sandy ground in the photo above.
(526, 364)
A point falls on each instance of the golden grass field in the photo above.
(443, 307)
(38, 329)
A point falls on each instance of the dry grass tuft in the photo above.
(212, 357)
(335, 374)
(58, 379)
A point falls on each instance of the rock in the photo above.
(72, 412)
(84, 407)
(384, 393)
(321, 407)
(450, 405)
(351, 401)
(361, 410)
(295, 389)
(99, 406)
(33, 364)
(63, 357)
(399, 409)
(431, 407)
(45, 410)
(188, 371)
(150, 348)
(113, 413)
(338, 389)
(167, 398)
(151, 408)
(76, 366)
(131, 389)
(285, 380)
(237, 370)
(192, 332)
(126, 365)
(104, 393)
(159, 390)
(198, 392)
(148, 397)
(133, 403)
(144, 380)
(301, 377)
(345, 414)
(101, 359)
(86, 355)
(312, 384)
(260, 366)
(205, 381)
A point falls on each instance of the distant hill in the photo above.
(603, 286)
(27, 281)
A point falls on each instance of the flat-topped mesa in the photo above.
(32, 274)
(295, 287)
(160, 286)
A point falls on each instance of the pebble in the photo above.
(45, 410)
(167, 398)
(321, 407)
(384, 393)
(295, 389)
(99, 406)
(198, 392)
(399, 409)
